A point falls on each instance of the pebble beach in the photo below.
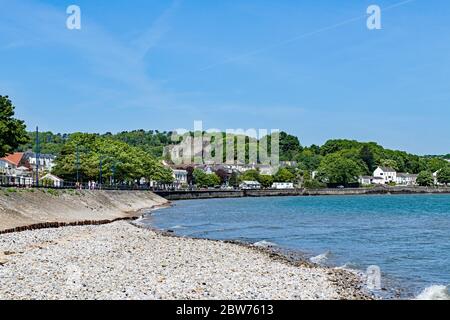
(123, 261)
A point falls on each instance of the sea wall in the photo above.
(22, 209)
(200, 194)
(213, 194)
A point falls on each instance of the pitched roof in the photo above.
(30, 154)
(51, 177)
(406, 175)
(387, 169)
(250, 182)
(14, 158)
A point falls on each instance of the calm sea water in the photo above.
(407, 236)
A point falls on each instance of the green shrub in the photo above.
(53, 192)
(314, 184)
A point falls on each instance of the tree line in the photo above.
(131, 154)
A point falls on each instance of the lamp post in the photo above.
(37, 156)
(101, 163)
(79, 149)
(113, 169)
(78, 165)
(114, 163)
(113, 177)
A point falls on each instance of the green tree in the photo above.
(338, 170)
(289, 147)
(151, 141)
(435, 164)
(200, 178)
(308, 159)
(128, 164)
(284, 175)
(266, 180)
(12, 131)
(368, 157)
(425, 179)
(389, 163)
(49, 143)
(332, 146)
(443, 175)
(204, 180)
(314, 184)
(250, 175)
(213, 180)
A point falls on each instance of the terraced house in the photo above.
(15, 170)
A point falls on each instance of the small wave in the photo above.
(347, 266)
(435, 292)
(321, 258)
(177, 227)
(265, 244)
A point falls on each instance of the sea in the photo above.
(400, 244)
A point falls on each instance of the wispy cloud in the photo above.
(109, 58)
(285, 42)
(159, 28)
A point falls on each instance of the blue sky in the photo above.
(311, 68)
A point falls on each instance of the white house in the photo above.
(13, 171)
(54, 180)
(17, 176)
(283, 185)
(180, 177)
(365, 180)
(5, 165)
(406, 179)
(435, 174)
(378, 180)
(46, 161)
(387, 174)
(250, 185)
(384, 175)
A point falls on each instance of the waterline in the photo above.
(405, 235)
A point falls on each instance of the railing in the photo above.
(73, 185)
(4, 183)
